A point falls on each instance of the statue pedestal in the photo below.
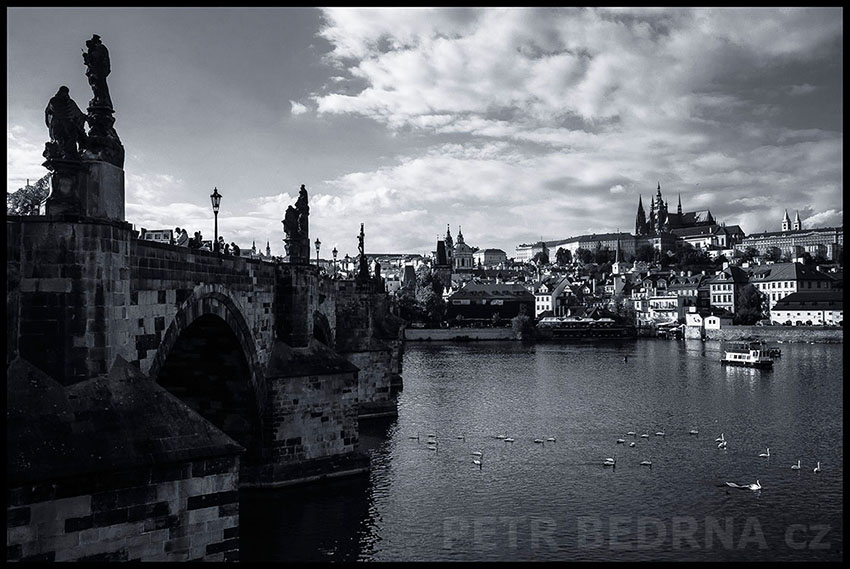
(298, 251)
(90, 188)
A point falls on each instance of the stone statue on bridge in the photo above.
(102, 143)
(66, 126)
(97, 65)
(363, 262)
(296, 227)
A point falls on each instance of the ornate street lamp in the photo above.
(215, 198)
(334, 253)
(318, 244)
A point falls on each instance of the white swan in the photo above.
(609, 462)
(754, 486)
(631, 444)
(631, 433)
(502, 436)
(644, 436)
(646, 463)
(796, 466)
(660, 434)
(720, 439)
(551, 439)
(765, 454)
(509, 439)
(816, 469)
(721, 444)
(476, 462)
(540, 441)
(477, 453)
(621, 441)
(693, 432)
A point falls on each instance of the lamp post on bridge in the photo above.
(318, 244)
(215, 198)
(334, 253)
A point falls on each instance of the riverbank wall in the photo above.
(772, 334)
(457, 334)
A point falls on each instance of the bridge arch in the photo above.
(208, 358)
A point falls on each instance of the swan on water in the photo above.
(720, 439)
(631, 433)
(816, 469)
(660, 434)
(477, 453)
(646, 463)
(476, 462)
(693, 432)
(721, 444)
(502, 436)
(644, 436)
(551, 439)
(509, 439)
(609, 462)
(621, 441)
(631, 444)
(754, 486)
(765, 454)
(796, 466)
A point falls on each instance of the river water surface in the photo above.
(555, 500)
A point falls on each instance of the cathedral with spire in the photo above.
(660, 220)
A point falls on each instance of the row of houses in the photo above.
(658, 297)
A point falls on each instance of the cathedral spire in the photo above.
(797, 225)
(640, 220)
(679, 209)
(786, 222)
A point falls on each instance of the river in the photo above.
(555, 501)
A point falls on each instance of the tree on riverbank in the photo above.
(750, 307)
(523, 325)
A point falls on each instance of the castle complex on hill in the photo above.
(660, 220)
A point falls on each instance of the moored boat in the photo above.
(749, 354)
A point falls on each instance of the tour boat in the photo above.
(752, 354)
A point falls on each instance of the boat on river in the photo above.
(748, 354)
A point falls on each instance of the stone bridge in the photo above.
(146, 382)
(282, 359)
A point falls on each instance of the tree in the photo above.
(522, 325)
(541, 258)
(750, 307)
(749, 254)
(645, 253)
(689, 256)
(602, 256)
(429, 294)
(27, 200)
(563, 256)
(584, 255)
(773, 254)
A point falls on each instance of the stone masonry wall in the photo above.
(72, 286)
(170, 512)
(314, 416)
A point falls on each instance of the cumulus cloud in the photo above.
(575, 104)
(297, 108)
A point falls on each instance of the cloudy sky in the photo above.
(514, 124)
